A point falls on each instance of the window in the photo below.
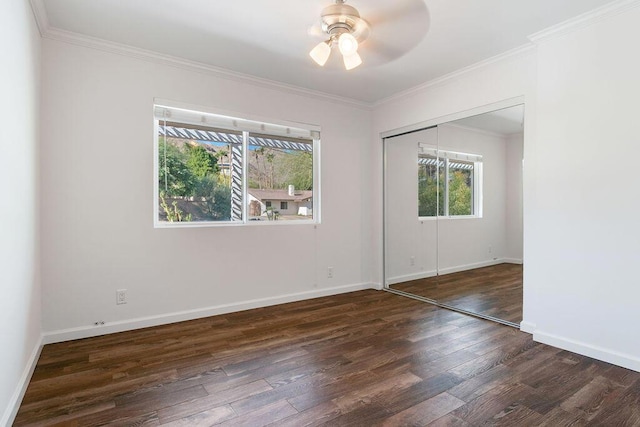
(214, 169)
(449, 183)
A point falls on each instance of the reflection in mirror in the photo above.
(469, 255)
(410, 243)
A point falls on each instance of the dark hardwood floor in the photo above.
(367, 358)
(492, 291)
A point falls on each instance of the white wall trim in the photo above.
(460, 73)
(512, 260)
(604, 354)
(528, 327)
(409, 277)
(465, 267)
(40, 14)
(377, 286)
(16, 399)
(180, 316)
(194, 66)
(584, 20)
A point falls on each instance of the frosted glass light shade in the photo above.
(321, 53)
(352, 61)
(347, 44)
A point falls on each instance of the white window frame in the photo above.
(446, 156)
(199, 115)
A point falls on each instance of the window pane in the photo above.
(280, 178)
(460, 188)
(430, 186)
(214, 168)
(195, 173)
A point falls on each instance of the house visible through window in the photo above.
(217, 169)
(449, 183)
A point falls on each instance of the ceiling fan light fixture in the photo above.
(345, 28)
(347, 44)
(352, 61)
(321, 52)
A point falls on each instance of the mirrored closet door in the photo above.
(453, 214)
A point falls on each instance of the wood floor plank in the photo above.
(425, 412)
(448, 420)
(366, 358)
(321, 414)
(208, 417)
(494, 404)
(264, 415)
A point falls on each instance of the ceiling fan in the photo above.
(399, 26)
(343, 25)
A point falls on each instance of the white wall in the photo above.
(97, 205)
(19, 108)
(514, 197)
(584, 246)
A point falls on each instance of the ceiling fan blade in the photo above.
(396, 28)
(378, 52)
(395, 12)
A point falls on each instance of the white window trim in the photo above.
(198, 115)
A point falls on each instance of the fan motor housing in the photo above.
(339, 18)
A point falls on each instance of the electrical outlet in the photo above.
(330, 272)
(412, 261)
(121, 296)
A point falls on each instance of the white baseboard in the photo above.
(606, 355)
(465, 267)
(410, 277)
(377, 286)
(528, 327)
(16, 399)
(512, 260)
(163, 319)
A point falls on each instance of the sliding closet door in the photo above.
(411, 199)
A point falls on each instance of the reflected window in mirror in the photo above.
(449, 183)
(430, 186)
(460, 188)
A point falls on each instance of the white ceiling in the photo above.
(412, 42)
(506, 121)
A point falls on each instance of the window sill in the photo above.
(261, 223)
(455, 218)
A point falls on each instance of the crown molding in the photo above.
(585, 20)
(40, 14)
(460, 73)
(173, 61)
